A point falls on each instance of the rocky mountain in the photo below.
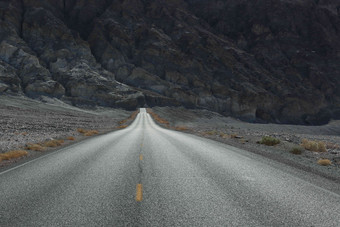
(264, 60)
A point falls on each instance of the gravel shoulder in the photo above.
(24, 120)
(246, 135)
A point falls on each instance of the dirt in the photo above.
(246, 136)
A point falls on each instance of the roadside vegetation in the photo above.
(122, 126)
(13, 154)
(33, 131)
(316, 146)
(53, 143)
(181, 128)
(211, 133)
(42, 146)
(316, 151)
(34, 147)
(87, 132)
(269, 141)
(324, 162)
(296, 150)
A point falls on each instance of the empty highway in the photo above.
(146, 175)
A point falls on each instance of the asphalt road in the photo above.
(145, 175)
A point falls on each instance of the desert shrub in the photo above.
(91, 133)
(224, 135)
(269, 141)
(122, 126)
(296, 150)
(181, 128)
(81, 130)
(87, 132)
(324, 162)
(13, 154)
(34, 147)
(122, 121)
(210, 133)
(53, 143)
(317, 146)
(71, 138)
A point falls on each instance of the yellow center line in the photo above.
(141, 157)
(139, 193)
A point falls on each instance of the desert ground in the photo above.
(25, 121)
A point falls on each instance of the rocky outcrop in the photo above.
(266, 61)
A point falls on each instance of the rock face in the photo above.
(266, 60)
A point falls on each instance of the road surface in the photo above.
(145, 175)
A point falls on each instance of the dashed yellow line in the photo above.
(139, 193)
(141, 157)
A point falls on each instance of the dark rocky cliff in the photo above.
(265, 60)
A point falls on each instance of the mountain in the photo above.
(263, 61)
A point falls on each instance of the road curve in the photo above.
(145, 175)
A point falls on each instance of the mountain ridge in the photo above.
(262, 61)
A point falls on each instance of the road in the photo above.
(145, 175)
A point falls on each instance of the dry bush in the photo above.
(296, 150)
(91, 133)
(324, 162)
(181, 128)
(34, 147)
(87, 132)
(122, 126)
(53, 143)
(122, 122)
(81, 130)
(269, 141)
(13, 154)
(71, 138)
(317, 146)
(224, 135)
(210, 133)
(157, 118)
